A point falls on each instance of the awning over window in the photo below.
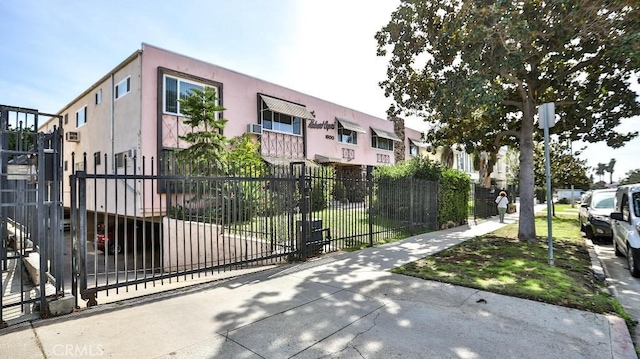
(327, 159)
(418, 143)
(384, 134)
(350, 125)
(282, 161)
(286, 108)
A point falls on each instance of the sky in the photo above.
(53, 50)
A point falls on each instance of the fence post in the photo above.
(304, 209)
(370, 190)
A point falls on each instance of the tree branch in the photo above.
(578, 66)
(513, 103)
(502, 134)
(521, 89)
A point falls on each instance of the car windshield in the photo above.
(603, 200)
(636, 204)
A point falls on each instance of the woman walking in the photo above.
(502, 202)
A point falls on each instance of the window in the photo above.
(66, 118)
(120, 159)
(381, 143)
(99, 97)
(413, 149)
(174, 86)
(96, 158)
(80, 166)
(347, 136)
(624, 204)
(280, 122)
(81, 116)
(66, 165)
(635, 198)
(122, 88)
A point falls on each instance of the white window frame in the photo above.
(116, 93)
(83, 109)
(378, 139)
(99, 96)
(178, 82)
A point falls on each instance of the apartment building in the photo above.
(133, 112)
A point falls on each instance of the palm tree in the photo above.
(609, 169)
(600, 170)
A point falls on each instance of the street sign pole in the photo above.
(546, 120)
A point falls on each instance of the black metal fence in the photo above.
(134, 227)
(31, 216)
(484, 205)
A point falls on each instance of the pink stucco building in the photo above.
(134, 111)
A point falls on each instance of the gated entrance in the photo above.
(31, 213)
(140, 223)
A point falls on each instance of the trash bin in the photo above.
(314, 244)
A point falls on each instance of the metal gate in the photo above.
(31, 214)
(139, 223)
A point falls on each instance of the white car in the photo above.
(625, 225)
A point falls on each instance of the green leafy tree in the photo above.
(477, 70)
(632, 176)
(202, 114)
(566, 169)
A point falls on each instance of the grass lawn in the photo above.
(500, 263)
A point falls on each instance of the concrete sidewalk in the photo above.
(341, 306)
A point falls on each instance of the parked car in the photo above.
(626, 226)
(130, 235)
(594, 213)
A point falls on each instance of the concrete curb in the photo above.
(621, 344)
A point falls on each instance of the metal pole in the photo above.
(549, 195)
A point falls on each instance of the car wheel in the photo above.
(588, 232)
(616, 249)
(632, 256)
(115, 248)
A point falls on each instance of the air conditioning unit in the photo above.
(254, 128)
(72, 136)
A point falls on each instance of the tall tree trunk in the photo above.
(526, 224)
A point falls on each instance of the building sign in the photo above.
(21, 172)
(315, 125)
(348, 154)
(383, 158)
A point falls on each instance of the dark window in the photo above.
(347, 136)
(280, 122)
(99, 97)
(96, 157)
(381, 143)
(120, 159)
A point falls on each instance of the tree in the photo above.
(609, 169)
(446, 157)
(202, 113)
(478, 70)
(600, 169)
(484, 162)
(632, 176)
(566, 169)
